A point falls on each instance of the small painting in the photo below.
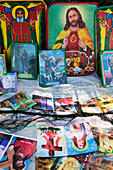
(52, 67)
(24, 60)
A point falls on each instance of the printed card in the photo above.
(19, 152)
(8, 83)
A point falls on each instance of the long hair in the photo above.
(80, 21)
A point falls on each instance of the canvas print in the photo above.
(74, 32)
(43, 103)
(73, 139)
(104, 102)
(2, 63)
(8, 83)
(21, 21)
(52, 67)
(24, 60)
(106, 60)
(19, 153)
(103, 31)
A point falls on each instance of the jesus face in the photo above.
(73, 18)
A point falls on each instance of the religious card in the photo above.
(58, 141)
(19, 101)
(18, 144)
(106, 61)
(2, 63)
(8, 83)
(22, 22)
(103, 32)
(64, 105)
(104, 102)
(74, 34)
(24, 60)
(52, 67)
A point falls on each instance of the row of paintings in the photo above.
(82, 44)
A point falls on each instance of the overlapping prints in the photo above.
(74, 162)
(19, 101)
(73, 139)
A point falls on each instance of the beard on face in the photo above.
(74, 23)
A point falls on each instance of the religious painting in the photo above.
(8, 83)
(74, 32)
(20, 22)
(2, 63)
(106, 61)
(52, 67)
(103, 32)
(24, 60)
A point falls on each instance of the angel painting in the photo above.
(19, 22)
(52, 67)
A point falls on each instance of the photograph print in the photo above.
(24, 60)
(52, 67)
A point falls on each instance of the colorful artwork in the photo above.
(104, 102)
(24, 60)
(2, 63)
(74, 32)
(43, 103)
(64, 105)
(104, 32)
(90, 107)
(106, 60)
(99, 163)
(19, 101)
(74, 162)
(20, 22)
(19, 153)
(52, 67)
(8, 83)
(73, 139)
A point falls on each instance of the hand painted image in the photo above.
(52, 67)
(24, 60)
